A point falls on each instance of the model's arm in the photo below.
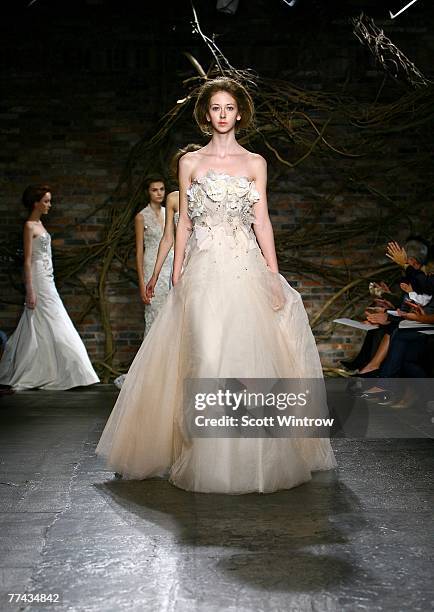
(139, 227)
(262, 225)
(183, 230)
(166, 242)
(28, 244)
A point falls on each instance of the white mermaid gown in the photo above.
(217, 322)
(45, 351)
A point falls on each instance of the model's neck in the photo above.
(155, 205)
(223, 145)
(35, 215)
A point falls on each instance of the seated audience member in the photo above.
(407, 346)
(374, 337)
(412, 258)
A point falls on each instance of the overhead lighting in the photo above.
(392, 16)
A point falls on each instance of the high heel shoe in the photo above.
(371, 374)
(349, 365)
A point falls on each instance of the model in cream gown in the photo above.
(219, 321)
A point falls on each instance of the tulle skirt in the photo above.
(227, 317)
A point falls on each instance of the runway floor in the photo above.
(356, 539)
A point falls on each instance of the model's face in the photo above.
(157, 192)
(223, 112)
(44, 204)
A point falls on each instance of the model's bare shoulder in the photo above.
(257, 165)
(189, 160)
(172, 200)
(29, 227)
(187, 165)
(258, 160)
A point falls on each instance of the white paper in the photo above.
(408, 324)
(356, 324)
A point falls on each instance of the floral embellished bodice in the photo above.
(41, 251)
(222, 202)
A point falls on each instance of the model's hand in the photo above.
(276, 292)
(30, 300)
(150, 287)
(144, 296)
(406, 287)
(396, 253)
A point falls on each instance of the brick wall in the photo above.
(80, 90)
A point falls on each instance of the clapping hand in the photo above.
(377, 318)
(418, 311)
(396, 253)
(384, 303)
(406, 287)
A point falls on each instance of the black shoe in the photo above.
(384, 398)
(371, 374)
(349, 365)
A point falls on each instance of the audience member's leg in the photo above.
(406, 346)
(379, 357)
(368, 349)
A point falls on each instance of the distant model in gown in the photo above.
(149, 227)
(45, 351)
(171, 220)
(229, 315)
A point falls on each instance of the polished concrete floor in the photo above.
(359, 538)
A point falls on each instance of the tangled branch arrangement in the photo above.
(294, 127)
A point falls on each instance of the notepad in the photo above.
(356, 324)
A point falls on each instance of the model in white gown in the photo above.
(218, 322)
(152, 236)
(230, 315)
(149, 224)
(45, 351)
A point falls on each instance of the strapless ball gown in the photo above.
(219, 321)
(45, 351)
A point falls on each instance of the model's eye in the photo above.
(230, 108)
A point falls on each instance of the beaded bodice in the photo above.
(41, 250)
